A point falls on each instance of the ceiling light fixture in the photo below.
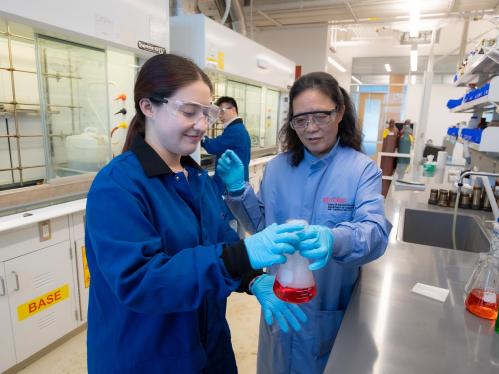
(336, 64)
(414, 58)
(356, 80)
(414, 19)
(388, 68)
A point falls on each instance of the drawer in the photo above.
(23, 240)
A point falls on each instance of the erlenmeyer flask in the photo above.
(294, 282)
(482, 289)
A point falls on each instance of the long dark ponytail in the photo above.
(160, 76)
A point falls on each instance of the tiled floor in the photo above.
(243, 315)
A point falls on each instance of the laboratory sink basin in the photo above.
(435, 229)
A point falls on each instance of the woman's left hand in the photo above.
(318, 248)
(275, 309)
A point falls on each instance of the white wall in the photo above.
(440, 118)
(306, 46)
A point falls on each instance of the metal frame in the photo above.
(16, 111)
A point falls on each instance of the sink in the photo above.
(435, 229)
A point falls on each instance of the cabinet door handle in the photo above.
(17, 281)
(2, 282)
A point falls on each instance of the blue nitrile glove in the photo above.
(318, 248)
(285, 313)
(267, 247)
(231, 170)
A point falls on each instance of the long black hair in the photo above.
(161, 76)
(348, 132)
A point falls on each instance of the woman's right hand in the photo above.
(267, 247)
(231, 170)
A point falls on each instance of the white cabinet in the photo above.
(40, 279)
(7, 353)
(41, 297)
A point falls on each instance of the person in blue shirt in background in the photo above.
(234, 137)
(323, 178)
(161, 255)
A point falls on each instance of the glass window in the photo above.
(271, 118)
(258, 106)
(253, 113)
(76, 106)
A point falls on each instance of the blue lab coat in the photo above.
(158, 285)
(235, 137)
(342, 191)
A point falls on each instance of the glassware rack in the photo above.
(51, 90)
(14, 110)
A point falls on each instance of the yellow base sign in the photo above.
(42, 302)
(86, 273)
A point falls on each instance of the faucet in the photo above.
(490, 194)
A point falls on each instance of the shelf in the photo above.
(481, 69)
(18, 70)
(489, 141)
(17, 103)
(59, 76)
(65, 106)
(27, 111)
(21, 136)
(24, 167)
(485, 103)
(482, 103)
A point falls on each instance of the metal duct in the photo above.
(237, 16)
(183, 7)
(186, 7)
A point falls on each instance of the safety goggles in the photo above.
(223, 110)
(190, 111)
(321, 118)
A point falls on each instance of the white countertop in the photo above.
(29, 217)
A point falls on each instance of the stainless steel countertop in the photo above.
(387, 329)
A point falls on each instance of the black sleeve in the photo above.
(236, 261)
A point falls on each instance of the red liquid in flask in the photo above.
(294, 295)
(479, 303)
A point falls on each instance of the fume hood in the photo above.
(257, 77)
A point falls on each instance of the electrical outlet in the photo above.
(45, 232)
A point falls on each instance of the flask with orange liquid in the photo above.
(482, 289)
(294, 282)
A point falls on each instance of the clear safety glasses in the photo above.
(321, 118)
(190, 111)
(223, 110)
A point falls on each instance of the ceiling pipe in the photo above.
(237, 16)
(183, 7)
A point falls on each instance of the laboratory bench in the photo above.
(388, 329)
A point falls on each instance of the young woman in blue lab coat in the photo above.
(161, 255)
(324, 178)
